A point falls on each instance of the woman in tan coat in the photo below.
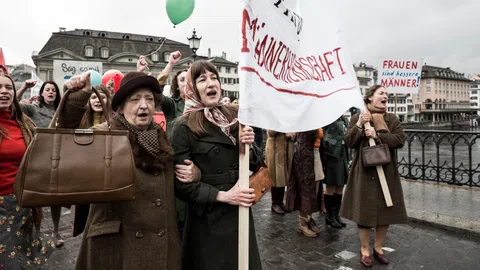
(279, 155)
(142, 233)
(363, 200)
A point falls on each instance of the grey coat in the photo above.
(41, 116)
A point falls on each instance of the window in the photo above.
(50, 75)
(155, 57)
(104, 52)
(474, 92)
(236, 71)
(88, 51)
(219, 69)
(230, 81)
(227, 69)
(166, 56)
(428, 89)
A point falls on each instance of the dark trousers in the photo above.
(277, 195)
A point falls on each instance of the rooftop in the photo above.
(117, 43)
(442, 73)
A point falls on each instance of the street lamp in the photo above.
(194, 43)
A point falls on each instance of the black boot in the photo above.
(336, 209)
(330, 217)
(277, 200)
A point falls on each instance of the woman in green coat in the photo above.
(206, 150)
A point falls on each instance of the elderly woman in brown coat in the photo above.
(278, 156)
(142, 233)
(363, 200)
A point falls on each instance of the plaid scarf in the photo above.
(147, 139)
(213, 114)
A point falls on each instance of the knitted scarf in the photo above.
(147, 139)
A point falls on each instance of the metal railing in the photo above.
(451, 157)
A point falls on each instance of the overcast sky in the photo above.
(444, 32)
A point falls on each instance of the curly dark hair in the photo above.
(174, 86)
(370, 92)
(57, 97)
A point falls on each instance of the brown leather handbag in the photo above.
(376, 155)
(76, 166)
(261, 181)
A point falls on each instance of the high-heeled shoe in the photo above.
(366, 260)
(380, 257)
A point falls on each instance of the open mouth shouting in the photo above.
(212, 93)
(97, 107)
(142, 116)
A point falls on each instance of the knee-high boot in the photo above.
(330, 217)
(336, 208)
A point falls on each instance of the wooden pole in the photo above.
(381, 175)
(243, 212)
(395, 108)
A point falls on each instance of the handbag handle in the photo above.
(378, 137)
(56, 116)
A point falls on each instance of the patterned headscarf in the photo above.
(213, 114)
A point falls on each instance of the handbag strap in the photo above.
(58, 112)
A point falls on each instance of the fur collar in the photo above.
(143, 160)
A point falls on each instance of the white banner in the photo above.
(295, 70)
(63, 70)
(400, 75)
(36, 89)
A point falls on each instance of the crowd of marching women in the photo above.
(187, 195)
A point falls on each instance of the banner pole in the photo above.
(243, 212)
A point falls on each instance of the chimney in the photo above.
(224, 55)
(62, 29)
(209, 53)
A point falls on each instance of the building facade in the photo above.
(475, 96)
(444, 96)
(120, 51)
(402, 106)
(366, 76)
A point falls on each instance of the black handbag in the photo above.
(376, 155)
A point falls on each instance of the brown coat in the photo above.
(138, 234)
(363, 201)
(278, 155)
(301, 189)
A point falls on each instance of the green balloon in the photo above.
(179, 10)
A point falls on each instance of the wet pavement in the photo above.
(408, 246)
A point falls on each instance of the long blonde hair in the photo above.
(23, 121)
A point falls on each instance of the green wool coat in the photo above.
(210, 240)
(363, 200)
